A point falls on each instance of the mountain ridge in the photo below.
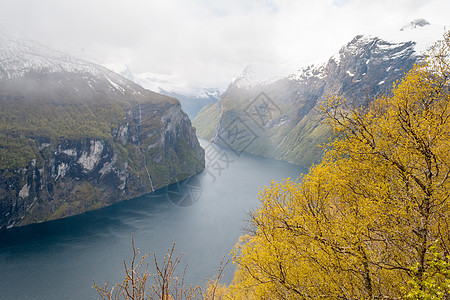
(364, 68)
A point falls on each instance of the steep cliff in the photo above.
(75, 136)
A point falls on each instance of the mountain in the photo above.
(261, 74)
(279, 118)
(415, 23)
(193, 103)
(127, 74)
(75, 136)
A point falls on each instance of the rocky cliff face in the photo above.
(75, 136)
(280, 118)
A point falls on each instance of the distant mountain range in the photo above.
(278, 117)
(75, 136)
(192, 104)
(191, 101)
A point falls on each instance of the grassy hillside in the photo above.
(206, 121)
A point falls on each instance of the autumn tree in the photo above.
(361, 224)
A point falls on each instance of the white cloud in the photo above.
(207, 43)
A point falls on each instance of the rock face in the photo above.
(75, 136)
(280, 118)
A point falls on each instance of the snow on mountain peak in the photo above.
(208, 93)
(423, 33)
(20, 55)
(414, 24)
(166, 84)
(261, 73)
(127, 74)
(246, 78)
(313, 70)
(360, 48)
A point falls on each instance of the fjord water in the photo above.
(204, 217)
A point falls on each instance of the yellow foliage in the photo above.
(357, 223)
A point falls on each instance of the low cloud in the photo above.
(207, 43)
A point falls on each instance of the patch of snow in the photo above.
(19, 55)
(90, 85)
(115, 85)
(381, 82)
(207, 93)
(350, 73)
(257, 74)
(158, 82)
(423, 36)
(414, 24)
(336, 58)
(389, 46)
(400, 53)
(314, 70)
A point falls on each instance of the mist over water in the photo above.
(203, 216)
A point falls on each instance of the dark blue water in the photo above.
(204, 217)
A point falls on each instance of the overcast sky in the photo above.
(201, 43)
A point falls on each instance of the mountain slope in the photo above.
(279, 118)
(75, 136)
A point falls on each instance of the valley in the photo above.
(302, 146)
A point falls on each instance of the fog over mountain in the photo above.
(205, 44)
(192, 101)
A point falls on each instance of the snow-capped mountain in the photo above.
(128, 74)
(415, 23)
(364, 61)
(420, 32)
(256, 74)
(21, 57)
(208, 93)
(192, 103)
(363, 68)
(192, 100)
